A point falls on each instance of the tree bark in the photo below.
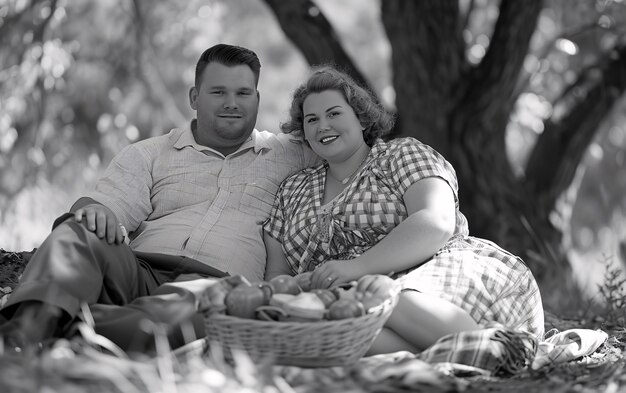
(427, 57)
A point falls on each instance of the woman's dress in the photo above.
(486, 281)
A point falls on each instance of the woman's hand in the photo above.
(336, 272)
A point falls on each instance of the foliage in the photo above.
(613, 294)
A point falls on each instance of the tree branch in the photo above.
(498, 72)
(559, 149)
(309, 30)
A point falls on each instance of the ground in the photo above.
(11, 266)
(78, 367)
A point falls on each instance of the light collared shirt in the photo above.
(177, 197)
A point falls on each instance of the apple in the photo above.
(243, 300)
(345, 308)
(213, 297)
(326, 295)
(377, 285)
(346, 291)
(304, 280)
(371, 301)
(285, 283)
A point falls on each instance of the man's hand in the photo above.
(100, 220)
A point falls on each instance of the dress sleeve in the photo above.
(274, 225)
(411, 160)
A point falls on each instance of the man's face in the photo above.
(227, 103)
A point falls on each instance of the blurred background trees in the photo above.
(526, 99)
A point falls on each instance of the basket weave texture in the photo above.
(304, 344)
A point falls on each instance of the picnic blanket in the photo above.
(497, 351)
(448, 365)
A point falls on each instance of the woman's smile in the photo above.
(328, 139)
(329, 121)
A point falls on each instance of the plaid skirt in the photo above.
(489, 283)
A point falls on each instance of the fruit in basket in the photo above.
(304, 280)
(346, 291)
(243, 300)
(345, 308)
(285, 283)
(306, 305)
(377, 285)
(370, 301)
(326, 296)
(214, 296)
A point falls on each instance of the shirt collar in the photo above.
(257, 141)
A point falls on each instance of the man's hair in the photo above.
(228, 55)
(375, 120)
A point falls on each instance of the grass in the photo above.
(91, 364)
(613, 294)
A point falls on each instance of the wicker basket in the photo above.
(304, 344)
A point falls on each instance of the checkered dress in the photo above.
(476, 275)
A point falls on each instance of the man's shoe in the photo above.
(12, 338)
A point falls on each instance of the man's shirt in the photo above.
(180, 198)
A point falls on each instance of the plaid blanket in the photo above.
(496, 349)
(493, 351)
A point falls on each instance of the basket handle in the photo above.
(267, 289)
(270, 313)
(344, 285)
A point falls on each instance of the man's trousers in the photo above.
(128, 295)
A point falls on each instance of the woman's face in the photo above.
(331, 127)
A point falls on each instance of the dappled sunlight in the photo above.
(28, 220)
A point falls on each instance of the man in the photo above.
(193, 202)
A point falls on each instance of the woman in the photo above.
(389, 208)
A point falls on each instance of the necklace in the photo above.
(347, 179)
(325, 226)
(324, 221)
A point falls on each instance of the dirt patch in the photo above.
(12, 265)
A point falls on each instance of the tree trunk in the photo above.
(462, 111)
(427, 58)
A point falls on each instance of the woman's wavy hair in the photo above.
(375, 120)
